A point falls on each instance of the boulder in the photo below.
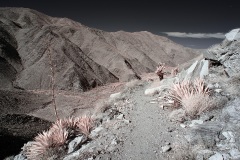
(216, 156)
(228, 52)
(199, 69)
(233, 35)
(76, 143)
(152, 91)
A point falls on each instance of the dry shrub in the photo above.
(57, 135)
(159, 71)
(174, 71)
(67, 123)
(45, 141)
(196, 104)
(193, 96)
(38, 148)
(85, 124)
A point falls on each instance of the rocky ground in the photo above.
(132, 121)
(137, 126)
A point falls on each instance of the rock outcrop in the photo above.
(227, 52)
(216, 136)
(82, 57)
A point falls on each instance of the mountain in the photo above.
(82, 57)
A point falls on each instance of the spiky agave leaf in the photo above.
(85, 124)
(193, 96)
(42, 142)
(55, 137)
(67, 123)
(60, 136)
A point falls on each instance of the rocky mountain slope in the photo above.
(136, 124)
(82, 57)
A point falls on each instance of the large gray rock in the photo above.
(233, 35)
(235, 154)
(76, 143)
(232, 111)
(216, 156)
(77, 154)
(199, 69)
(228, 52)
(205, 134)
(204, 154)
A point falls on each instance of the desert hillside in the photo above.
(110, 103)
(191, 115)
(82, 57)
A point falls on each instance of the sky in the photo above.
(195, 23)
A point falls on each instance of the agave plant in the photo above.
(85, 124)
(39, 146)
(57, 136)
(67, 123)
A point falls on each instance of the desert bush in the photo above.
(85, 124)
(174, 71)
(67, 123)
(193, 96)
(196, 104)
(46, 141)
(80, 124)
(57, 136)
(159, 71)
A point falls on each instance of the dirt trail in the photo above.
(150, 129)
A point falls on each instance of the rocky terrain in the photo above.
(83, 59)
(131, 120)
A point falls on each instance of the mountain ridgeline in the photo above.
(82, 57)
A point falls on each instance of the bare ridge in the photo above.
(83, 57)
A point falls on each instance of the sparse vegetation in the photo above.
(57, 136)
(174, 71)
(192, 96)
(85, 124)
(159, 70)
